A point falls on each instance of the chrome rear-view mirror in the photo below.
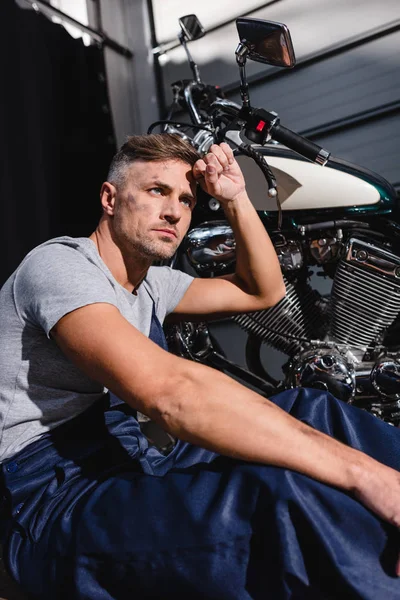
(191, 27)
(266, 41)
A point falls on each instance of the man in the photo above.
(93, 512)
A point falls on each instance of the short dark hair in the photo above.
(152, 147)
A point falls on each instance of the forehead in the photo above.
(175, 173)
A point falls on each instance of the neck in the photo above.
(128, 270)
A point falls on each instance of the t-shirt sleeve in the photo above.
(167, 286)
(55, 280)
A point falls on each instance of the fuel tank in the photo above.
(305, 186)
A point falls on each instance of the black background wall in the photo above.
(56, 137)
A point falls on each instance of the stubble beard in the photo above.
(149, 249)
(144, 246)
(155, 250)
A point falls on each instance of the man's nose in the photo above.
(172, 210)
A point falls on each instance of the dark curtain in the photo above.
(56, 137)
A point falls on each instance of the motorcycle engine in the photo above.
(341, 344)
(335, 343)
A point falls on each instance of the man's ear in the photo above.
(108, 194)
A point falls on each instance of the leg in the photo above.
(210, 527)
(222, 531)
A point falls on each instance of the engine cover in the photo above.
(323, 369)
(385, 377)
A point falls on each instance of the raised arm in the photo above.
(207, 408)
(257, 282)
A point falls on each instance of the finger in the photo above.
(199, 169)
(228, 152)
(212, 174)
(211, 159)
(220, 155)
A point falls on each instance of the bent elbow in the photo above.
(281, 293)
(275, 296)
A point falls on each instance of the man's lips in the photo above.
(170, 232)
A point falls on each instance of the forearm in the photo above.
(211, 410)
(257, 265)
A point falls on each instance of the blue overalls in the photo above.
(91, 512)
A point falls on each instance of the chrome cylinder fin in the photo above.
(365, 300)
(285, 326)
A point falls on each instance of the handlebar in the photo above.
(187, 92)
(260, 123)
(299, 144)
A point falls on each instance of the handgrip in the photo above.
(299, 144)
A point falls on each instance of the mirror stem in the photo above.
(241, 53)
(193, 65)
(244, 86)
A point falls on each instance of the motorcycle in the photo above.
(322, 213)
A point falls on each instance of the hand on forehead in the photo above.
(219, 174)
(219, 156)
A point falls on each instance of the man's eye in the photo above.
(156, 190)
(187, 202)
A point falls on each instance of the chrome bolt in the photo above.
(362, 255)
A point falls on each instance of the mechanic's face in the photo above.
(152, 211)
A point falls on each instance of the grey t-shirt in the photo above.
(39, 387)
